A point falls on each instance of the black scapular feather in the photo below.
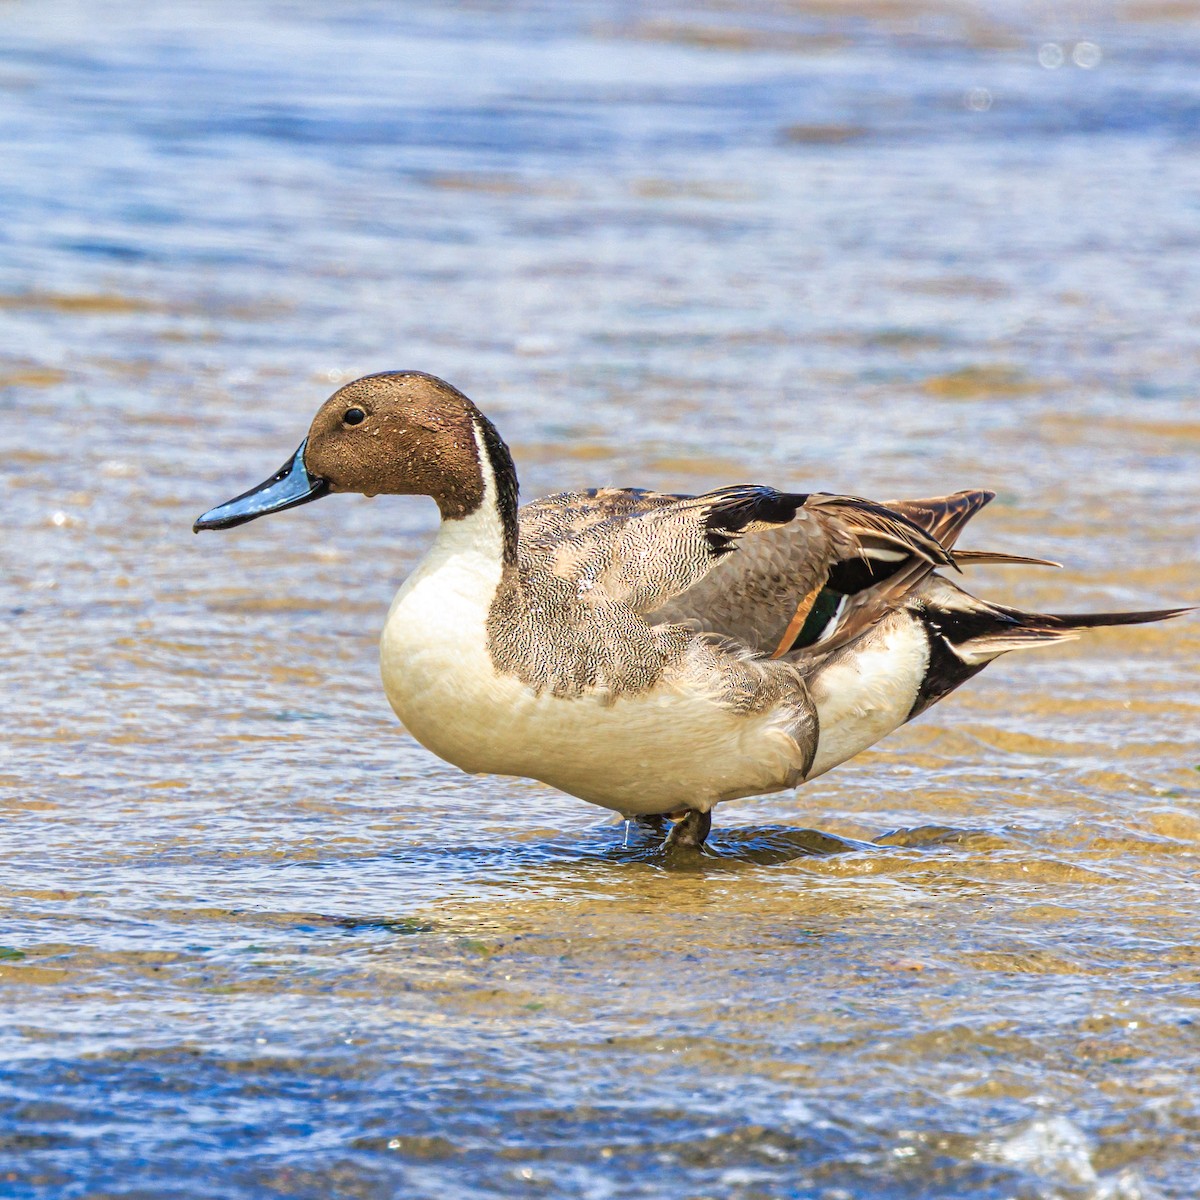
(744, 506)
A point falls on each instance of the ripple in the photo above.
(257, 942)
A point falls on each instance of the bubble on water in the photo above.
(978, 99)
(740, 1177)
(1086, 55)
(1053, 1148)
(796, 1110)
(1050, 55)
(1126, 1185)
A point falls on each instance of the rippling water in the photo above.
(258, 943)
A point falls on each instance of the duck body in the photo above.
(654, 654)
(640, 750)
(673, 749)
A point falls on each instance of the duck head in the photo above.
(400, 433)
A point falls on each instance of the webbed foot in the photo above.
(691, 829)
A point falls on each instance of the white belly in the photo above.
(863, 696)
(657, 751)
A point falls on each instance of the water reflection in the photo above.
(255, 941)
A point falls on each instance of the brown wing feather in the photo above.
(745, 562)
(943, 517)
(766, 588)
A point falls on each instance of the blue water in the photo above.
(253, 940)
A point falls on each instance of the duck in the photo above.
(653, 653)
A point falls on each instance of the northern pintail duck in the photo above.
(654, 654)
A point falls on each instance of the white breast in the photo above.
(436, 670)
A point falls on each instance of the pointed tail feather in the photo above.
(1098, 620)
(965, 633)
(995, 556)
(1012, 629)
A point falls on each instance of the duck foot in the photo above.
(690, 830)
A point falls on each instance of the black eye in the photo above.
(354, 416)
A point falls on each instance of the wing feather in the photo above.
(782, 573)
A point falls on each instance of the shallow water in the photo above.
(256, 942)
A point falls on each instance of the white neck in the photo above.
(480, 534)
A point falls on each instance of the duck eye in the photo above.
(354, 416)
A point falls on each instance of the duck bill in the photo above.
(290, 486)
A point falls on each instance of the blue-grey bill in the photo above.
(289, 486)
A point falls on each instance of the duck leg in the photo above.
(651, 822)
(691, 829)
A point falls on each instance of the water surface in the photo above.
(256, 941)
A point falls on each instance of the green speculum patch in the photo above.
(825, 608)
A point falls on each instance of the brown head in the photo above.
(399, 433)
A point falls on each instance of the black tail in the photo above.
(965, 633)
(1069, 621)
